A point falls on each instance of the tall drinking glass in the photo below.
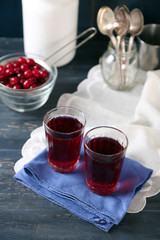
(64, 128)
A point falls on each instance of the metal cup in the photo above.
(149, 47)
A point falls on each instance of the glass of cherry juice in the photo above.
(64, 128)
(105, 149)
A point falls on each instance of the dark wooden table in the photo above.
(25, 215)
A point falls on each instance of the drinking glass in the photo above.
(105, 149)
(64, 128)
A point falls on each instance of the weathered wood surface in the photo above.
(26, 216)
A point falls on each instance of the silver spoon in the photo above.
(122, 23)
(105, 23)
(122, 16)
(136, 25)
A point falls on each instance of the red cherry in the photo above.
(21, 81)
(32, 80)
(33, 86)
(28, 73)
(4, 82)
(20, 75)
(16, 70)
(9, 71)
(9, 65)
(13, 80)
(2, 69)
(8, 85)
(27, 83)
(2, 76)
(21, 60)
(36, 73)
(30, 62)
(43, 73)
(17, 86)
(23, 67)
(37, 66)
(16, 64)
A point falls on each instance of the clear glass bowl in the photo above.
(24, 100)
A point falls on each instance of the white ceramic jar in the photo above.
(48, 25)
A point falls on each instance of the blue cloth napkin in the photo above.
(71, 192)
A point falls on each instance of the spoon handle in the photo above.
(130, 43)
(114, 41)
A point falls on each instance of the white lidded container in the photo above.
(47, 26)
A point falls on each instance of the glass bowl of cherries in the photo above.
(25, 82)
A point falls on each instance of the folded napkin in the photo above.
(71, 192)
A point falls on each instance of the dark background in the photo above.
(11, 13)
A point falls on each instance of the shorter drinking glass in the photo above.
(105, 149)
(64, 128)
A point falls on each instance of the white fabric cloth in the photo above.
(101, 104)
(148, 109)
(135, 111)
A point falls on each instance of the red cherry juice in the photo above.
(102, 175)
(64, 143)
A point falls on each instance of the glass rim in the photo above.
(104, 155)
(63, 107)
